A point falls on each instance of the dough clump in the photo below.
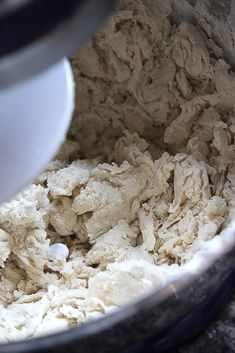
(144, 180)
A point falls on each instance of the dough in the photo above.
(144, 180)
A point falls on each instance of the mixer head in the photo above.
(34, 34)
(35, 113)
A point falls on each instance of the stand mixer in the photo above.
(36, 83)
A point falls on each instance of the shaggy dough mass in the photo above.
(150, 182)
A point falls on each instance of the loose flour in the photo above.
(146, 177)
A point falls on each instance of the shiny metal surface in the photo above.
(158, 310)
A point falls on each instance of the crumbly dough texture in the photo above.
(145, 179)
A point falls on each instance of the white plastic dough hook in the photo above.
(35, 116)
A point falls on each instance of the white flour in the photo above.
(150, 182)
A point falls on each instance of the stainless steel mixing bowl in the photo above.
(159, 310)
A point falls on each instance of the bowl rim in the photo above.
(215, 250)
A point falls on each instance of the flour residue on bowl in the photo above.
(143, 182)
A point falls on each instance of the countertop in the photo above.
(220, 335)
